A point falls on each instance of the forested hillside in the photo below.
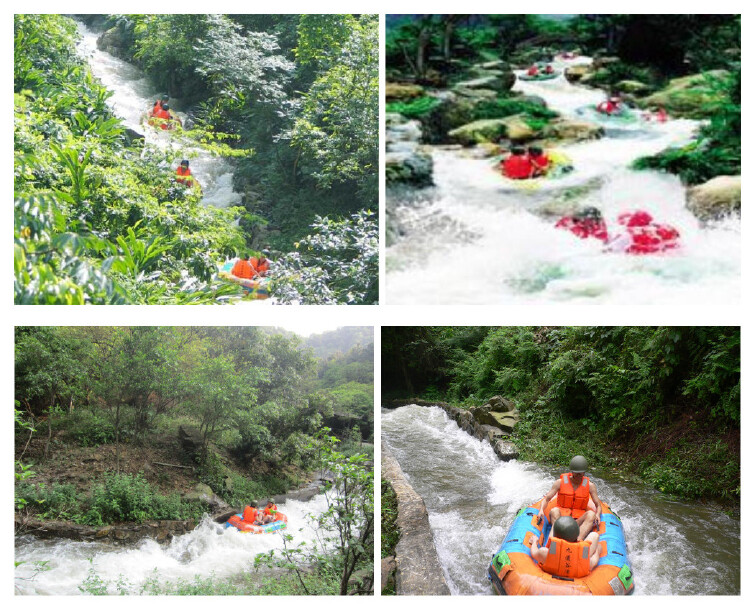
(661, 402)
(253, 402)
(289, 101)
(341, 340)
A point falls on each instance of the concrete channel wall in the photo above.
(418, 570)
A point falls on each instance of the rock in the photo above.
(115, 42)
(133, 137)
(477, 94)
(418, 570)
(397, 91)
(632, 86)
(387, 572)
(716, 198)
(601, 62)
(191, 440)
(688, 96)
(121, 534)
(532, 99)
(411, 168)
(488, 433)
(484, 150)
(484, 82)
(104, 532)
(572, 129)
(505, 421)
(495, 64)
(500, 404)
(506, 450)
(575, 74)
(492, 130)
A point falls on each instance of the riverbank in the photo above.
(679, 459)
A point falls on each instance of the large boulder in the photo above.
(573, 130)
(414, 168)
(515, 128)
(506, 450)
(398, 91)
(575, 74)
(634, 87)
(115, 42)
(689, 96)
(483, 82)
(499, 404)
(716, 198)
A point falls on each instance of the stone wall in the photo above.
(162, 531)
(418, 570)
(492, 422)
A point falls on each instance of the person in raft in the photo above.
(564, 555)
(533, 70)
(613, 105)
(248, 267)
(183, 174)
(517, 165)
(539, 161)
(585, 223)
(166, 117)
(574, 491)
(159, 104)
(270, 513)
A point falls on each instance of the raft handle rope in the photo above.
(562, 578)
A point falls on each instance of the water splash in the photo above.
(472, 498)
(210, 549)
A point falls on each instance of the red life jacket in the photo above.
(648, 237)
(532, 71)
(166, 118)
(540, 162)
(517, 167)
(271, 510)
(607, 107)
(575, 499)
(567, 559)
(158, 106)
(584, 228)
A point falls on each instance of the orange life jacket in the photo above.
(184, 175)
(243, 269)
(567, 559)
(157, 107)
(271, 510)
(568, 497)
(250, 514)
(260, 268)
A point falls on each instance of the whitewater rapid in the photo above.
(472, 499)
(501, 240)
(133, 97)
(210, 550)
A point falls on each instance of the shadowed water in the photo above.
(472, 499)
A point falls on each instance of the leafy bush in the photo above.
(502, 107)
(59, 500)
(90, 429)
(414, 108)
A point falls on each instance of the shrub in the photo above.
(90, 429)
(415, 108)
(502, 107)
(59, 500)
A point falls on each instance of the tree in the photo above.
(345, 529)
(338, 263)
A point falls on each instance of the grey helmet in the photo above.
(578, 464)
(566, 528)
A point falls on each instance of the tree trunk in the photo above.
(422, 42)
(118, 439)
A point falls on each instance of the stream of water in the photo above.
(209, 550)
(505, 250)
(472, 498)
(133, 97)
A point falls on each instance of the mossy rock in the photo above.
(575, 74)
(689, 96)
(572, 130)
(716, 198)
(633, 86)
(398, 91)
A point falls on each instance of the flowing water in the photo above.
(133, 97)
(505, 250)
(472, 498)
(209, 550)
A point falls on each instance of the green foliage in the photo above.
(414, 108)
(502, 107)
(336, 264)
(346, 527)
(389, 532)
(89, 429)
(56, 501)
(126, 497)
(718, 148)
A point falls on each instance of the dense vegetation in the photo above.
(253, 400)
(292, 98)
(438, 50)
(663, 402)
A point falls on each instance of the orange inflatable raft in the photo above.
(238, 522)
(513, 571)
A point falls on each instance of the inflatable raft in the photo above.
(624, 117)
(540, 76)
(249, 528)
(560, 166)
(513, 571)
(257, 289)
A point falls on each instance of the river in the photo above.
(473, 239)
(472, 498)
(210, 549)
(133, 97)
